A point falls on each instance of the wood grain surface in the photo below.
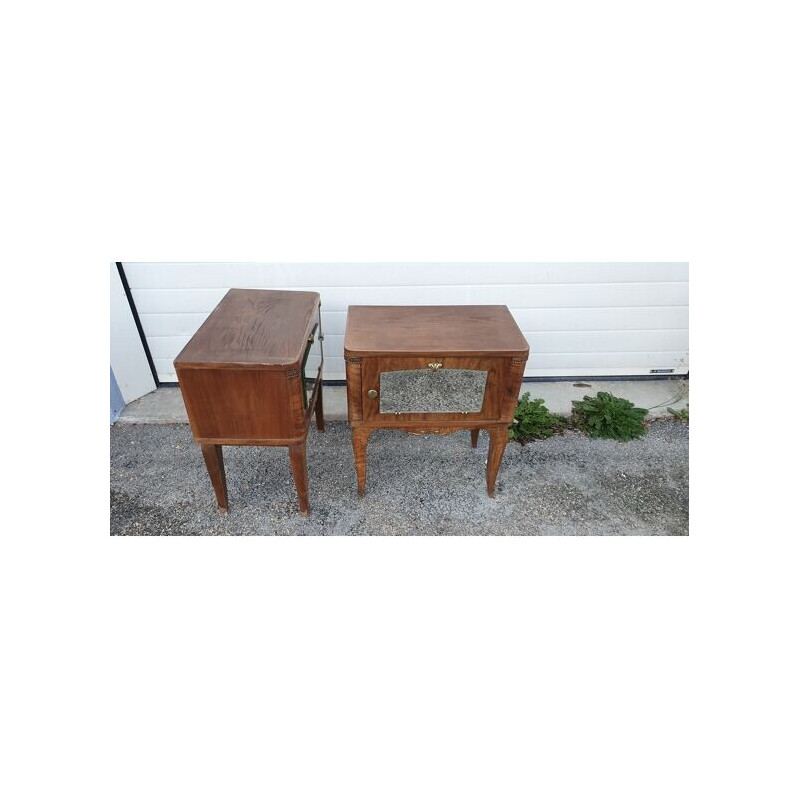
(417, 330)
(241, 380)
(250, 327)
(382, 339)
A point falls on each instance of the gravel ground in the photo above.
(416, 485)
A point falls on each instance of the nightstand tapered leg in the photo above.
(498, 439)
(318, 409)
(360, 439)
(297, 456)
(212, 453)
(474, 434)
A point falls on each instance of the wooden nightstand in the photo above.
(252, 375)
(433, 369)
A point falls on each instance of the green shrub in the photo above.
(533, 420)
(608, 417)
(682, 415)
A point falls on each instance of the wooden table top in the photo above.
(432, 330)
(252, 327)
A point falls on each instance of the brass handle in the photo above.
(372, 394)
(434, 366)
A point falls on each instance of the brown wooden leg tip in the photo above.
(297, 458)
(212, 455)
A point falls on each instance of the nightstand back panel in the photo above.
(239, 404)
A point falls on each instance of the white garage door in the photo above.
(581, 320)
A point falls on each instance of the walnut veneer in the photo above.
(413, 339)
(252, 375)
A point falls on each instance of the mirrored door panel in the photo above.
(432, 390)
(311, 364)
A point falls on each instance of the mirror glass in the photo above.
(424, 391)
(311, 365)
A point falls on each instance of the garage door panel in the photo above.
(603, 319)
(580, 319)
(559, 296)
(605, 341)
(678, 360)
(165, 324)
(314, 276)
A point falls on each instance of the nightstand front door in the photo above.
(447, 388)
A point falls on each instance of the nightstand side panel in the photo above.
(513, 384)
(353, 367)
(238, 404)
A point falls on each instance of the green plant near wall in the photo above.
(533, 420)
(608, 417)
(682, 414)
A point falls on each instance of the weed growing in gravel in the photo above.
(682, 414)
(608, 417)
(533, 420)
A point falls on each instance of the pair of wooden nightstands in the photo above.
(252, 375)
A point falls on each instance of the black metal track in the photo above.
(138, 322)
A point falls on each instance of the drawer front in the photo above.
(434, 387)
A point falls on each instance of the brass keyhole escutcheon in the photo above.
(372, 394)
